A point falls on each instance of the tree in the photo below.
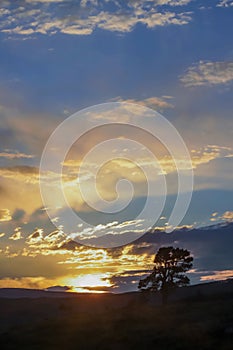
(168, 272)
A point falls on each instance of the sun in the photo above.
(88, 282)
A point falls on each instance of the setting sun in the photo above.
(88, 283)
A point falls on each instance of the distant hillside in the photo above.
(203, 289)
(18, 293)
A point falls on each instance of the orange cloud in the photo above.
(218, 275)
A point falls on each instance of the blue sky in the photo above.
(57, 57)
(106, 64)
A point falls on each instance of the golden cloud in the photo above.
(16, 235)
(5, 215)
(228, 215)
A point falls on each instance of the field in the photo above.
(129, 321)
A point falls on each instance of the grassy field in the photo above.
(116, 322)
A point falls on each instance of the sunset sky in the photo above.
(58, 57)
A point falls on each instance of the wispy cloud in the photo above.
(208, 74)
(113, 228)
(225, 3)
(209, 153)
(15, 155)
(154, 102)
(218, 275)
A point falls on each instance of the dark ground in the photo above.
(127, 321)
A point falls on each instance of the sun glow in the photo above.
(89, 283)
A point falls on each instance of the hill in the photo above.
(199, 319)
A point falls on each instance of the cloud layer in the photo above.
(83, 17)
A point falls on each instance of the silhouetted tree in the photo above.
(168, 272)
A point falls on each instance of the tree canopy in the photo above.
(169, 270)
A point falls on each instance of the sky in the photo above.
(57, 57)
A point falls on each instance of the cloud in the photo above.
(27, 178)
(38, 282)
(127, 280)
(43, 1)
(16, 235)
(151, 102)
(119, 269)
(209, 153)
(137, 3)
(113, 228)
(208, 74)
(40, 243)
(22, 173)
(5, 215)
(228, 215)
(15, 155)
(225, 3)
(30, 174)
(218, 276)
(77, 30)
(131, 169)
(18, 214)
(82, 18)
(58, 289)
(35, 237)
(19, 30)
(21, 190)
(112, 171)
(4, 11)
